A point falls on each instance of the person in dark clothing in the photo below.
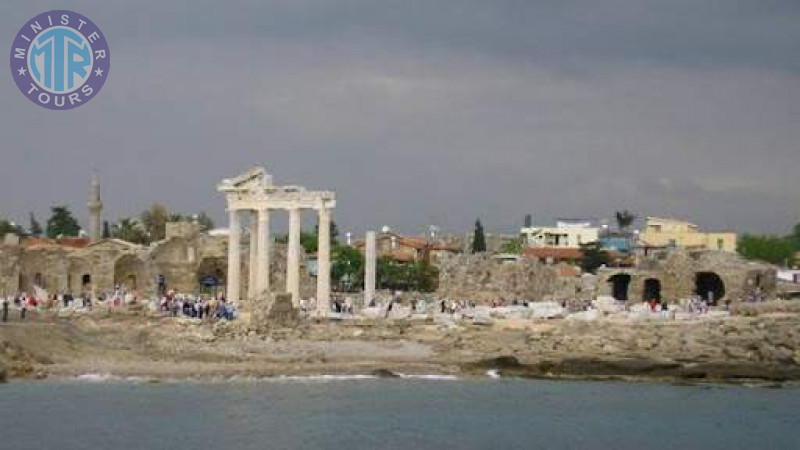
(5, 310)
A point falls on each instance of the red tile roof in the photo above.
(572, 254)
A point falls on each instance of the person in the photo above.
(389, 308)
(442, 306)
(5, 309)
(23, 308)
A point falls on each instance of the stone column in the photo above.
(234, 262)
(324, 262)
(293, 257)
(252, 281)
(264, 248)
(370, 255)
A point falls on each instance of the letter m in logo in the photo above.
(19, 53)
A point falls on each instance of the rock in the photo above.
(3, 373)
(608, 305)
(384, 373)
(482, 320)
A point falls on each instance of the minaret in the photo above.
(95, 206)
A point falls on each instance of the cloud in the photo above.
(420, 112)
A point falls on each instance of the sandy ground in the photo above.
(144, 345)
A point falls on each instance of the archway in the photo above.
(619, 286)
(709, 286)
(212, 269)
(130, 272)
(652, 289)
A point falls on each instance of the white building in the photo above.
(566, 234)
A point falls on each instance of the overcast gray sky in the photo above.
(422, 112)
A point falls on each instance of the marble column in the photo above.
(370, 255)
(264, 249)
(234, 257)
(252, 282)
(324, 262)
(293, 257)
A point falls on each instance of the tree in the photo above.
(593, 257)
(479, 239)
(35, 228)
(406, 277)
(7, 227)
(795, 237)
(625, 219)
(154, 221)
(512, 246)
(771, 249)
(106, 230)
(347, 266)
(528, 220)
(62, 223)
(205, 222)
(129, 230)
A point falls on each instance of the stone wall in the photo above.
(677, 274)
(483, 279)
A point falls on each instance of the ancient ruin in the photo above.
(254, 192)
(715, 276)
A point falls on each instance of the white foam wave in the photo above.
(428, 377)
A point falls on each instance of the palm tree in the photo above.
(625, 219)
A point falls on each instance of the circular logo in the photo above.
(60, 59)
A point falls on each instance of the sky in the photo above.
(426, 112)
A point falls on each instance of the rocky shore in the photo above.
(735, 348)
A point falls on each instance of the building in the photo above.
(409, 249)
(567, 234)
(665, 233)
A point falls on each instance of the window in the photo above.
(672, 243)
(720, 244)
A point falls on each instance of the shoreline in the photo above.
(733, 351)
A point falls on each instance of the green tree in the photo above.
(129, 230)
(205, 222)
(406, 277)
(106, 230)
(7, 227)
(62, 223)
(593, 257)
(347, 267)
(35, 228)
(308, 241)
(479, 239)
(771, 249)
(625, 219)
(154, 221)
(795, 237)
(512, 246)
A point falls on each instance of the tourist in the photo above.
(22, 310)
(5, 309)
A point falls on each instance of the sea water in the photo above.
(366, 413)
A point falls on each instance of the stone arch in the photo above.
(652, 289)
(213, 266)
(79, 276)
(130, 271)
(38, 280)
(619, 286)
(709, 286)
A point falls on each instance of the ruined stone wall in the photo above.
(9, 269)
(483, 279)
(677, 274)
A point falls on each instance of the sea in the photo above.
(97, 412)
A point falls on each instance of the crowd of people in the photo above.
(196, 307)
